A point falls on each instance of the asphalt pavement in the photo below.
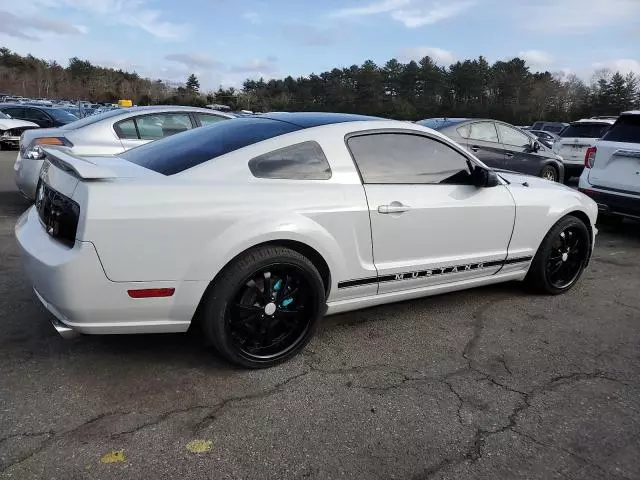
(488, 383)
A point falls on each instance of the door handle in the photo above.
(475, 148)
(393, 207)
(509, 155)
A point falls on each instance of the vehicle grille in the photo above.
(58, 213)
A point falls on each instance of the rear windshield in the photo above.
(585, 130)
(180, 152)
(626, 129)
(61, 115)
(553, 128)
(439, 123)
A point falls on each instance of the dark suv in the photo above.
(501, 145)
(44, 117)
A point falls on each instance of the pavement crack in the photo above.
(503, 362)
(279, 387)
(460, 401)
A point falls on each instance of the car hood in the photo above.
(9, 123)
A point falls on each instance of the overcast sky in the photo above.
(226, 41)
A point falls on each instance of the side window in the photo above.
(484, 131)
(209, 119)
(15, 112)
(511, 136)
(464, 131)
(398, 158)
(35, 115)
(153, 127)
(126, 129)
(304, 161)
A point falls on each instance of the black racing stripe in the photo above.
(358, 282)
(431, 273)
(518, 260)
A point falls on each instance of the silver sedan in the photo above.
(109, 133)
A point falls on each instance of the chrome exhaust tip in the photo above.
(63, 330)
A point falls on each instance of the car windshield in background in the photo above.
(584, 130)
(61, 115)
(93, 119)
(626, 129)
(177, 153)
(5, 116)
(553, 128)
(440, 123)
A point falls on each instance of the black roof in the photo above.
(315, 119)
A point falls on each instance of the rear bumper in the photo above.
(27, 173)
(612, 203)
(72, 286)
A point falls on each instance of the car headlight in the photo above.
(34, 150)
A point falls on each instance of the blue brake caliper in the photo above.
(287, 301)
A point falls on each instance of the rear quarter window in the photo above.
(626, 129)
(303, 161)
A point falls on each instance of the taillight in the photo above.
(590, 157)
(58, 213)
(34, 151)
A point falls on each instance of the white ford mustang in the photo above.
(255, 228)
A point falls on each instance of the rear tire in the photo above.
(561, 257)
(264, 307)
(550, 173)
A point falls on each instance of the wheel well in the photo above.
(582, 216)
(302, 248)
(309, 252)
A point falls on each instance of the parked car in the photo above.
(612, 169)
(575, 140)
(553, 127)
(45, 117)
(545, 138)
(253, 229)
(500, 145)
(109, 133)
(11, 129)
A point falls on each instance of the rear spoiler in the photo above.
(78, 166)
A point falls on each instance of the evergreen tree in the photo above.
(193, 85)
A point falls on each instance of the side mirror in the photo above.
(484, 178)
(535, 146)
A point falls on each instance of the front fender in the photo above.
(241, 236)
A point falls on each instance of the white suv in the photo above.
(575, 140)
(612, 169)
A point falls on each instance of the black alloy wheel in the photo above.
(567, 257)
(263, 307)
(561, 257)
(271, 311)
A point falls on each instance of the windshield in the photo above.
(94, 119)
(61, 115)
(439, 123)
(585, 130)
(180, 152)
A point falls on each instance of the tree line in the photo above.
(507, 90)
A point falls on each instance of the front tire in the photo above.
(561, 257)
(264, 307)
(550, 173)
